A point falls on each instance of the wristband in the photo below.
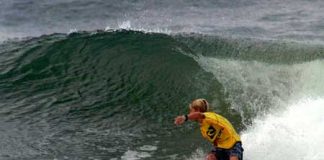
(186, 117)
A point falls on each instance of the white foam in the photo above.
(148, 148)
(135, 155)
(311, 82)
(72, 30)
(125, 25)
(145, 151)
(107, 28)
(295, 134)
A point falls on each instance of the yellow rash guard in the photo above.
(218, 130)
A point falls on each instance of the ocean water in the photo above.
(105, 79)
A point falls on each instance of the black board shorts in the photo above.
(224, 154)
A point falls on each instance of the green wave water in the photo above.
(113, 95)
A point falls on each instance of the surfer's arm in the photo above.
(194, 116)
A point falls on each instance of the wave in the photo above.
(124, 87)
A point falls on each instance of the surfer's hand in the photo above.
(179, 120)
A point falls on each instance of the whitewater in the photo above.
(292, 127)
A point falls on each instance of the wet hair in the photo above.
(200, 105)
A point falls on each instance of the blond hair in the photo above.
(200, 105)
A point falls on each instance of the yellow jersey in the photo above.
(218, 130)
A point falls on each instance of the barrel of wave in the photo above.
(296, 133)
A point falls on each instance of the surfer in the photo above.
(216, 129)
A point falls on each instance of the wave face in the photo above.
(114, 94)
